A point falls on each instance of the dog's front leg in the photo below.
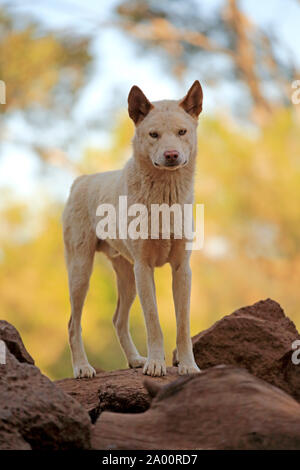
(144, 278)
(182, 277)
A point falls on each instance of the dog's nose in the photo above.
(171, 156)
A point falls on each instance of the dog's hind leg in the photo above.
(126, 295)
(79, 263)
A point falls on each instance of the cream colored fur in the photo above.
(145, 179)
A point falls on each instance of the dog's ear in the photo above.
(138, 105)
(192, 102)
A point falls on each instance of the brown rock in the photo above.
(119, 390)
(14, 343)
(222, 408)
(289, 378)
(258, 338)
(35, 414)
(11, 439)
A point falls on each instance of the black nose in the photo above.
(171, 156)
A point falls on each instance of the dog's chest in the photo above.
(156, 253)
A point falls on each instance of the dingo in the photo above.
(161, 171)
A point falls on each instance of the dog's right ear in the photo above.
(138, 105)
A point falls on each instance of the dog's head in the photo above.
(165, 135)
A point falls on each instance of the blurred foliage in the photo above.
(188, 39)
(36, 65)
(250, 186)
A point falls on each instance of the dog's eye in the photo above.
(182, 132)
(154, 135)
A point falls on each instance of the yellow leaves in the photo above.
(14, 215)
(28, 66)
(31, 65)
(118, 151)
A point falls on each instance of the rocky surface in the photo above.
(259, 338)
(222, 408)
(14, 343)
(249, 403)
(119, 390)
(35, 414)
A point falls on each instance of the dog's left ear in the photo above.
(192, 102)
(138, 105)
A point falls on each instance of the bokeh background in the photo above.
(68, 66)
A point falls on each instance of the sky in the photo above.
(115, 63)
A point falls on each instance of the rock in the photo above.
(11, 439)
(85, 391)
(222, 408)
(35, 414)
(119, 390)
(258, 338)
(225, 407)
(289, 378)
(14, 343)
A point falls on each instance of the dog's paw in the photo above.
(84, 371)
(185, 368)
(155, 367)
(138, 361)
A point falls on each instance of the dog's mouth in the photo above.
(170, 165)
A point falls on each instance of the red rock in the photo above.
(119, 390)
(259, 338)
(14, 343)
(222, 408)
(35, 414)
